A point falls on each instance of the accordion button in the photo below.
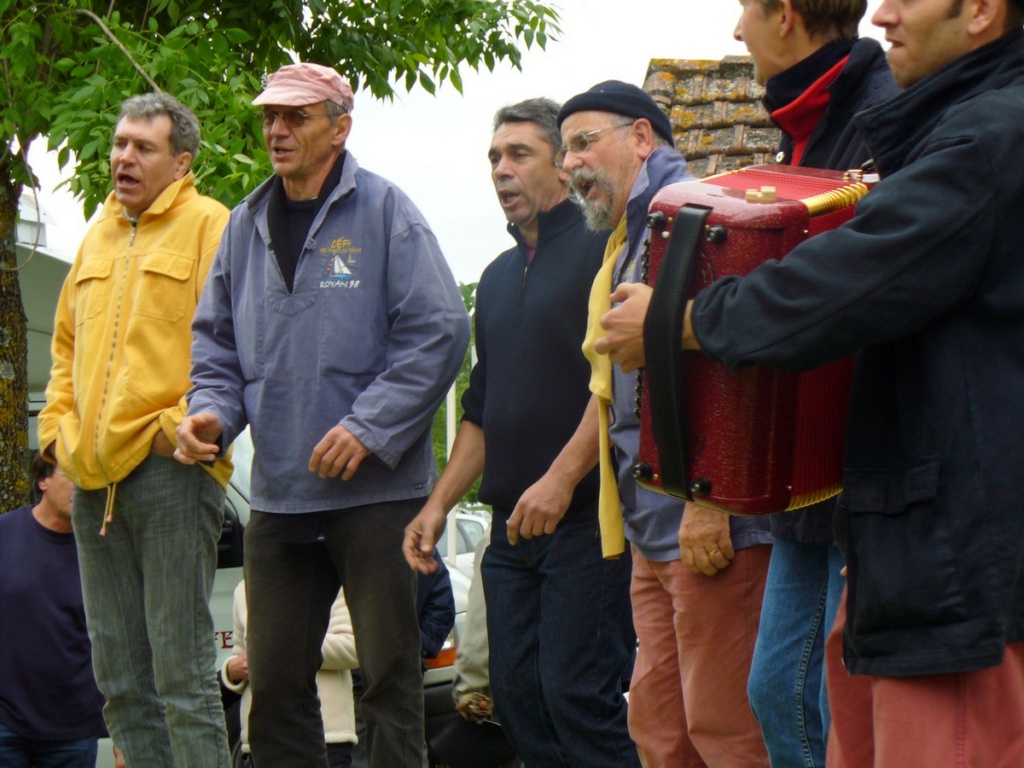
(700, 487)
(657, 220)
(716, 234)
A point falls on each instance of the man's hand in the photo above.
(540, 509)
(238, 668)
(339, 453)
(421, 537)
(705, 545)
(197, 438)
(624, 342)
(475, 707)
(162, 446)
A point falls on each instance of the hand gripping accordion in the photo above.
(756, 440)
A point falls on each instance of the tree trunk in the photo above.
(14, 483)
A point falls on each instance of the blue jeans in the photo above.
(561, 637)
(147, 586)
(290, 588)
(18, 752)
(787, 679)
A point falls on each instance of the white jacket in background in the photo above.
(334, 680)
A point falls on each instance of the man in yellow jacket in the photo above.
(146, 526)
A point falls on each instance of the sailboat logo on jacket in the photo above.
(338, 269)
(341, 258)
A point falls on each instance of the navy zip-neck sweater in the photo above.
(529, 387)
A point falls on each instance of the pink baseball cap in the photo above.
(296, 85)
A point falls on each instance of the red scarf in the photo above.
(799, 118)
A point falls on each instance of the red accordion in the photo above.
(750, 441)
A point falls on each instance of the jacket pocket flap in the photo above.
(872, 491)
(94, 269)
(168, 264)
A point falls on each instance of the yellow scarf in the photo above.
(613, 537)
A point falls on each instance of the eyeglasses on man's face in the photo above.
(293, 118)
(580, 142)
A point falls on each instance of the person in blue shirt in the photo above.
(332, 325)
(51, 712)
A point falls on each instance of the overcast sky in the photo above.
(435, 148)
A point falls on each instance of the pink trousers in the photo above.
(962, 720)
(688, 703)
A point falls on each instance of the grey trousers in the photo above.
(147, 587)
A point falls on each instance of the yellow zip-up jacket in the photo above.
(122, 335)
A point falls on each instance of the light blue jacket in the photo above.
(371, 337)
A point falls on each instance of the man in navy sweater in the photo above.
(563, 638)
(50, 707)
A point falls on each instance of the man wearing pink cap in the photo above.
(331, 325)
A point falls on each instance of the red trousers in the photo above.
(688, 703)
(962, 720)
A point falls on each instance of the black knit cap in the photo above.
(619, 98)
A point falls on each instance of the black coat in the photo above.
(927, 281)
(836, 142)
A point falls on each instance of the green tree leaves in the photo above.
(66, 66)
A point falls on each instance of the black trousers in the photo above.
(290, 588)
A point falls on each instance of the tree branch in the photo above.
(119, 44)
(16, 194)
(5, 156)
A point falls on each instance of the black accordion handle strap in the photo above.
(663, 348)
